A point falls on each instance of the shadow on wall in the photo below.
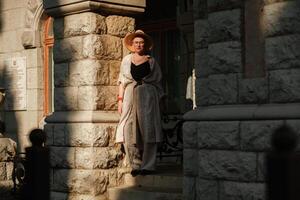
(37, 166)
(7, 142)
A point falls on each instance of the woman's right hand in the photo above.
(120, 106)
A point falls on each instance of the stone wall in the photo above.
(87, 53)
(224, 151)
(17, 18)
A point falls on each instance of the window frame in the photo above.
(48, 44)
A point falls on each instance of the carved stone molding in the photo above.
(68, 7)
(245, 112)
(33, 15)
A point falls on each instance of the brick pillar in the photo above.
(87, 55)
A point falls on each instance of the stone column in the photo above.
(239, 103)
(87, 54)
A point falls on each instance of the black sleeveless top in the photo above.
(138, 72)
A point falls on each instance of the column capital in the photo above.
(67, 7)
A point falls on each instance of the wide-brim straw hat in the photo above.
(139, 33)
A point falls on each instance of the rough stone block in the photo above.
(115, 177)
(214, 5)
(261, 167)
(2, 171)
(254, 90)
(7, 149)
(84, 158)
(106, 158)
(190, 135)
(114, 70)
(80, 181)
(102, 47)
(256, 135)
(285, 86)
(66, 98)
(107, 98)
(283, 52)
(189, 188)
(87, 98)
(242, 191)
(62, 157)
(190, 162)
(88, 134)
(224, 26)
(202, 68)
(83, 23)
(59, 135)
(217, 89)
(9, 170)
(229, 165)
(201, 33)
(225, 57)
(119, 25)
(207, 189)
(89, 72)
(61, 75)
(218, 135)
(48, 128)
(295, 126)
(287, 22)
(97, 158)
(68, 49)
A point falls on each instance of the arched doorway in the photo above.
(172, 38)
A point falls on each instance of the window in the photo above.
(48, 66)
(159, 21)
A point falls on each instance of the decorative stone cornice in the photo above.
(68, 7)
(83, 117)
(245, 112)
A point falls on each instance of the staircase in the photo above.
(166, 184)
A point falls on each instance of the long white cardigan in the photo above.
(150, 93)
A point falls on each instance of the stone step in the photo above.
(144, 193)
(165, 176)
(168, 181)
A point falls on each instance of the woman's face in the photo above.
(138, 44)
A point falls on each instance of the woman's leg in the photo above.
(132, 152)
(149, 156)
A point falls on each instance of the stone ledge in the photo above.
(69, 7)
(83, 117)
(244, 112)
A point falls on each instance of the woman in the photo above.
(140, 92)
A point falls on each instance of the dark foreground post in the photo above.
(283, 166)
(36, 181)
